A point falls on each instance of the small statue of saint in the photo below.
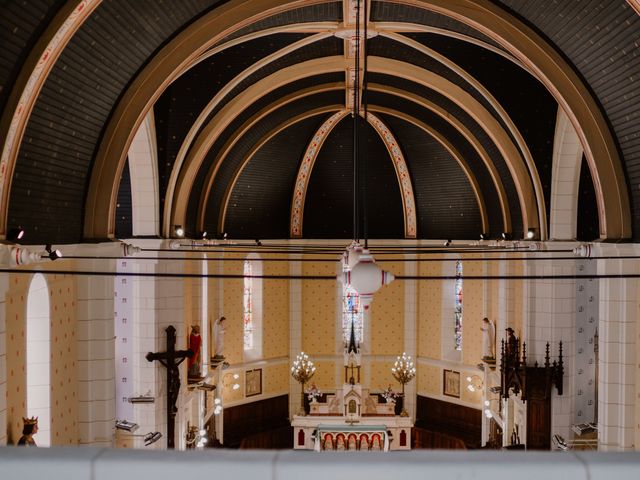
(218, 334)
(29, 429)
(488, 340)
(195, 343)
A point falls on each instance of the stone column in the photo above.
(96, 368)
(617, 350)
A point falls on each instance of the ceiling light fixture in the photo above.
(363, 274)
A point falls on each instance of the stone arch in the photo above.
(38, 357)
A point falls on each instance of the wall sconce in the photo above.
(126, 426)
(178, 230)
(142, 399)
(474, 382)
(217, 409)
(531, 233)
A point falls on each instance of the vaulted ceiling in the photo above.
(250, 105)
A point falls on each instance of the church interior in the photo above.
(355, 225)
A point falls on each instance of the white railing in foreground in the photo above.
(89, 463)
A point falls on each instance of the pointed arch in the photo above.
(38, 357)
(304, 171)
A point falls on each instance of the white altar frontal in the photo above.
(351, 420)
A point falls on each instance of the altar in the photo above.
(351, 420)
(334, 434)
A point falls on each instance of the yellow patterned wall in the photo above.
(233, 334)
(62, 298)
(429, 310)
(325, 377)
(429, 380)
(16, 309)
(387, 315)
(381, 377)
(64, 380)
(275, 311)
(319, 309)
(275, 379)
(473, 313)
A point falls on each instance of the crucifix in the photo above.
(170, 360)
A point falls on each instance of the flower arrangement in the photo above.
(313, 392)
(389, 395)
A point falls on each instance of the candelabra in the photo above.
(403, 371)
(302, 370)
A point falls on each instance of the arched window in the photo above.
(38, 358)
(252, 307)
(352, 312)
(458, 306)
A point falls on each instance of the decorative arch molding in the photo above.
(309, 158)
(304, 172)
(513, 35)
(402, 173)
(466, 133)
(143, 165)
(565, 180)
(222, 119)
(511, 155)
(27, 87)
(259, 144)
(210, 132)
(570, 92)
(215, 101)
(502, 113)
(458, 157)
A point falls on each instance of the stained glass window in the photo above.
(458, 306)
(247, 304)
(352, 311)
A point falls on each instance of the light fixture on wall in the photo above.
(178, 231)
(151, 437)
(531, 233)
(474, 382)
(142, 399)
(126, 426)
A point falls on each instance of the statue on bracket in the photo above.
(488, 341)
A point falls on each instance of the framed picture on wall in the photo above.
(451, 383)
(253, 382)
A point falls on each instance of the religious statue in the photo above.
(218, 334)
(340, 444)
(195, 343)
(511, 345)
(29, 429)
(488, 340)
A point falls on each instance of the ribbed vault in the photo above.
(469, 90)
